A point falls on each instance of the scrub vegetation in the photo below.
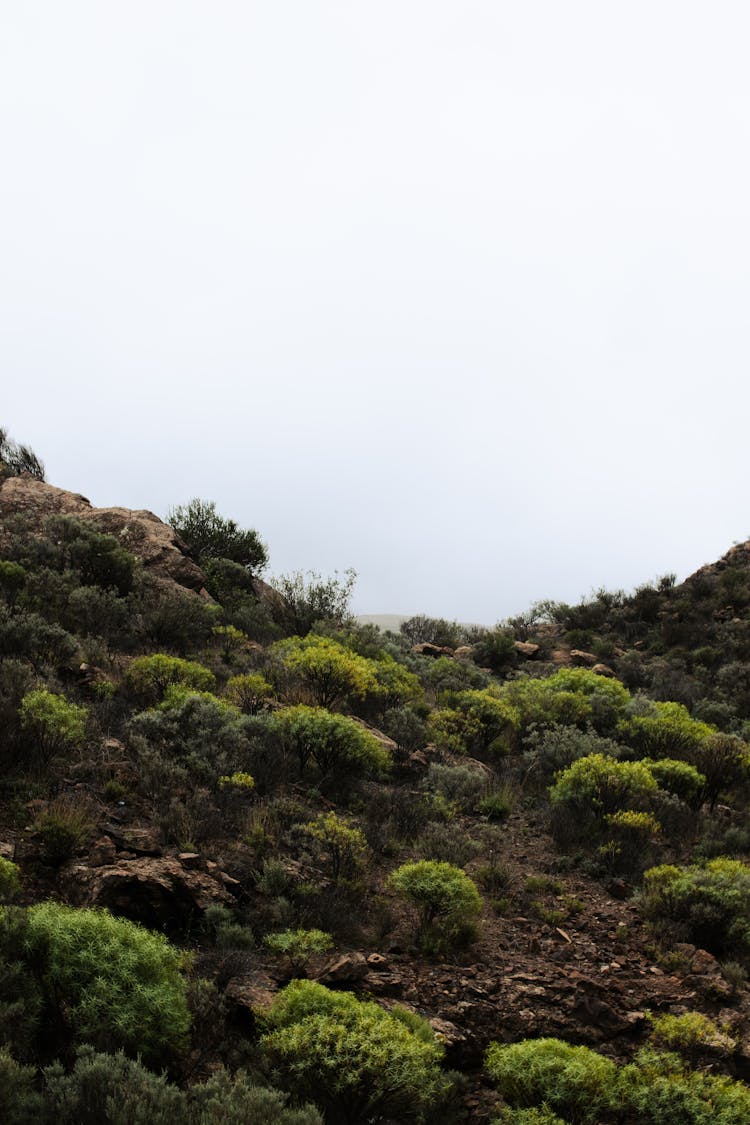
(261, 863)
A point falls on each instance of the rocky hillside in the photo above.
(443, 838)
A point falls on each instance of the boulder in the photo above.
(526, 648)
(604, 670)
(158, 546)
(160, 893)
(346, 969)
(424, 648)
(578, 656)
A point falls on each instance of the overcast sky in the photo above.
(455, 293)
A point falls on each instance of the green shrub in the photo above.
(448, 843)
(666, 730)
(52, 723)
(657, 1089)
(573, 1081)
(355, 1060)
(249, 691)
(307, 598)
(459, 785)
(593, 787)
(445, 898)
(691, 1034)
(12, 579)
(211, 536)
(20, 1103)
(149, 677)
(537, 1116)
(548, 750)
(498, 805)
(200, 732)
(724, 761)
(343, 846)
(326, 671)
(111, 1089)
(298, 947)
(631, 834)
(405, 727)
(476, 723)
(710, 904)
(110, 982)
(16, 459)
(10, 882)
(28, 635)
(64, 828)
(679, 778)
(336, 745)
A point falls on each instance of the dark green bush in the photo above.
(211, 536)
(709, 905)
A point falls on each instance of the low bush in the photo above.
(107, 981)
(336, 745)
(707, 904)
(298, 947)
(148, 677)
(573, 1081)
(354, 1059)
(52, 723)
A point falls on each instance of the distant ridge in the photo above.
(384, 621)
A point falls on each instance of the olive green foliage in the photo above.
(394, 685)
(354, 1059)
(12, 579)
(434, 631)
(495, 649)
(52, 723)
(10, 882)
(709, 904)
(63, 828)
(108, 981)
(461, 786)
(20, 1102)
(572, 1081)
(327, 671)
(148, 677)
(585, 1088)
(308, 598)
(665, 731)
(16, 459)
(111, 1089)
(593, 787)
(211, 536)
(724, 762)
(541, 1115)
(344, 846)
(476, 723)
(571, 697)
(298, 947)
(692, 1034)
(248, 691)
(335, 745)
(679, 778)
(445, 898)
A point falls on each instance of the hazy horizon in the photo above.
(451, 294)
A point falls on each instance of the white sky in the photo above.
(455, 293)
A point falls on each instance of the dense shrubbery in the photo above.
(709, 905)
(211, 536)
(354, 1059)
(337, 746)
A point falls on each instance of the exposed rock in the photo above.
(387, 743)
(706, 976)
(604, 670)
(345, 969)
(578, 656)
(247, 997)
(159, 548)
(160, 893)
(103, 852)
(140, 841)
(463, 652)
(526, 648)
(424, 648)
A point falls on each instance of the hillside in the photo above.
(456, 843)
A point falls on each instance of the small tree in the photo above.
(446, 899)
(148, 677)
(327, 671)
(298, 947)
(308, 597)
(53, 724)
(344, 846)
(18, 460)
(210, 536)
